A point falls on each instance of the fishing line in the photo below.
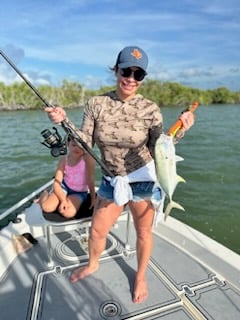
(67, 128)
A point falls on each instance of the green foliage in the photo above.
(222, 95)
(73, 94)
(171, 94)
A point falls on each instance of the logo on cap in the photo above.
(136, 54)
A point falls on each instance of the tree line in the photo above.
(73, 94)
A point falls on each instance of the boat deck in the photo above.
(180, 285)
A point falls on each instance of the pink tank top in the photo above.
(75, 177)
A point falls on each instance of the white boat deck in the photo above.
(189, 275)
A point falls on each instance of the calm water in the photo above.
(211, 167)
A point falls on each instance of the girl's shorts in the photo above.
(82, 195)
(141, 190)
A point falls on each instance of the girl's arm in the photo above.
(58, 180)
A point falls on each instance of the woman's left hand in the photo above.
(187, 119)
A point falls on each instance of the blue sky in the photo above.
(194, 42)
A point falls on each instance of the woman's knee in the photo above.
(97, 233)
(105, 215)
(144, 233)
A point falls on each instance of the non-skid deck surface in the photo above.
(179, 287)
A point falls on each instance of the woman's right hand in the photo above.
(56, 114)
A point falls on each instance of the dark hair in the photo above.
(115, 67)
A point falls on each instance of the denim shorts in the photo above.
(82, 195)
(141, 190)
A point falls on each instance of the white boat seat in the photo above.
(55, 219)
(83, 218)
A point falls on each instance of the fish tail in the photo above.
(180, 179)
(172, 204)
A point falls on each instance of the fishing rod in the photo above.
(67, 128)
(72, 131)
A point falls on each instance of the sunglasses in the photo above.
(138, 74)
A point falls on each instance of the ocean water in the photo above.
(211, 166)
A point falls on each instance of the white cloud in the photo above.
(80, 39)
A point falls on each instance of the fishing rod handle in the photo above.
(178, 124)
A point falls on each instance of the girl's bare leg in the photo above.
(42, 198)
(73, 205)
(49, 202)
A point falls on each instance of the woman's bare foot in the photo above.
(82, 273)
(140, 293)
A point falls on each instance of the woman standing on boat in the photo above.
(125, 126)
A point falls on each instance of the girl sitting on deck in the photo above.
(73, 180)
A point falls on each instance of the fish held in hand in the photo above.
(165, 163)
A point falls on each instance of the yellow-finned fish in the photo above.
(165, 163)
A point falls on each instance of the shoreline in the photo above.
(24, 108)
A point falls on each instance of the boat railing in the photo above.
(26, 199)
